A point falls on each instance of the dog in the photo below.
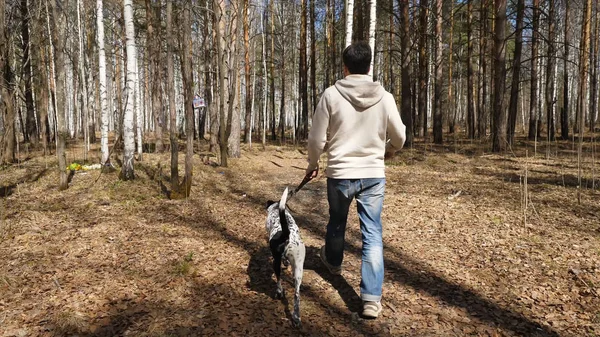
(287, 247)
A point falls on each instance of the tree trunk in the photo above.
(594, 72)
(171, 95)
(83, 79)
(564, 113)
(470, 80)
(208, 67)
(234, 125)
(303, 73)
(7, 87)
(349, 22)
(482, 107)
(550, 98)
(450, 105)
(423, 68)
(499, 131)
(282, 114)
(327, 45)
(31, 133)
(249, 93)
(437, 117)
(220, 20)
(372, 26)
(405, 69)
(41, 95)
(533, 102)
(516, 76)
(188, 93)
(583, 79)
(60, 93)
(153, 16)
(264, 81)
(273, 131)
(102, 87)
(127, 172)
(313, 63)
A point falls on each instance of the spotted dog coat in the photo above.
(286, 245)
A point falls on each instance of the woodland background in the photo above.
(492, 215)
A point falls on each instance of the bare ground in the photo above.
(114, 258)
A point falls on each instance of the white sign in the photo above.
(198, 102)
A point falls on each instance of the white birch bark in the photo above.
(252, 101)
(372, 22)
(84, 92)
(102, 88)
(349, 23)
(128, 132)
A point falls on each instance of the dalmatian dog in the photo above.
(286, 247)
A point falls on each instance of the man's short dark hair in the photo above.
(357, 57)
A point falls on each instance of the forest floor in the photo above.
(114, 258)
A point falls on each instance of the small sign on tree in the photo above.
(198, 102)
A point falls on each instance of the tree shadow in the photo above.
(7, 190)
(406, 270)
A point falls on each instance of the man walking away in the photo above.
(355, 118)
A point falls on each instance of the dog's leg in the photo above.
(296, 258)
(277, 269)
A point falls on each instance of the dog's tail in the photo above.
(285, 228)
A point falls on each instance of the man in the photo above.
(354, 118)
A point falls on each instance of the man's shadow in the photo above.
(338, 282)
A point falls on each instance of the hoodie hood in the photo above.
(360, 90)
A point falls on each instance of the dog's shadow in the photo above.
(260, 271)
(261, 279)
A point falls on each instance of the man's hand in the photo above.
(312, 173)
(389, 155)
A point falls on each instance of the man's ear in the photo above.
(269, 203)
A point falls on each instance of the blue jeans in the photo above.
(369, 202)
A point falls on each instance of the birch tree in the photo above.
(31, 134)
(84, 92)
(349, 22)
(127, 171)
(234, 118)
(372, 24)
(58, 41)
(105, 161)
(249, 91)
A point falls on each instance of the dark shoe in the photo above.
(332, 269)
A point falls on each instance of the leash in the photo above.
(306, 179)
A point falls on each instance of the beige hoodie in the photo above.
(355, 118)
